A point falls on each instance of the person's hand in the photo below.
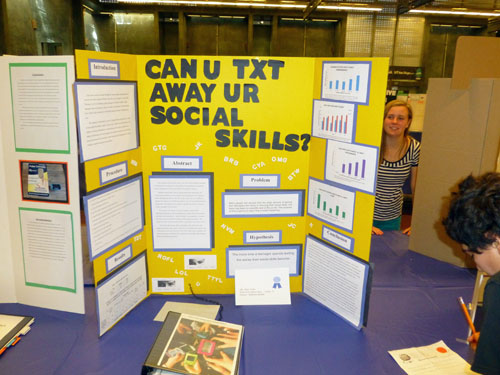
(228, 340)
(222, 365)
(377, 231)
(172, 361)
(473, 339)
(205, 327)
(407, 231)
(182, 328)
(194, 369)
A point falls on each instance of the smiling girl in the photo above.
(399, 156)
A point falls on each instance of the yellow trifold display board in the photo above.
(226, 156)
(236, 161)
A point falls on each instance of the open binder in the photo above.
(186, 343)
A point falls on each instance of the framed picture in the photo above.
(44, 181)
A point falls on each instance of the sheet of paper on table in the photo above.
(205, 311)
(433, 359)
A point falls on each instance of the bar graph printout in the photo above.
(333, 120)
(346, 81)
(352, 165)
(330, 204)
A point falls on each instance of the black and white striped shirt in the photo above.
(391, 177)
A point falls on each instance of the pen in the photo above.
(466, 314)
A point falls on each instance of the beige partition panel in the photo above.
(475, 57)
(462, 133)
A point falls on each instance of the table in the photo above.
(413, 302)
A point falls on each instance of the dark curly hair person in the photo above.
(474, 222)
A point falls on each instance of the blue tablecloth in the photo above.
(413, 302)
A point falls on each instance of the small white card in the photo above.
(266, 286)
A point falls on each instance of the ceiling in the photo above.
(317, 8)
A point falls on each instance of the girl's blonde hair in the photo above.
(388, 107)
(399, 103)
